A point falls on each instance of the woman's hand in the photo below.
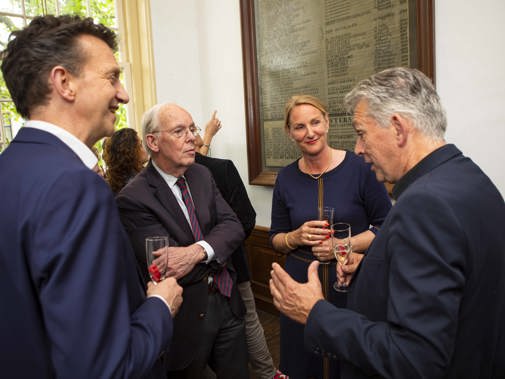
(312, 233)
(324, 250)
(315, 233)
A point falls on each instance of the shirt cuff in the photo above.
(208, 249)
(164, 301)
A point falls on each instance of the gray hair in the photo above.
(150, 124)
(405, 91)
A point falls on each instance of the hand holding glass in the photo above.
(341, 249)
(157, 257)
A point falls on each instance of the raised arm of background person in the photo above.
(211, 128)
(97, 319)
(419, 268)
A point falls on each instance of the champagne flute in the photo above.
(157, 257)
(341, 249)
(327, 215)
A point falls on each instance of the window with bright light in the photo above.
(130, 19)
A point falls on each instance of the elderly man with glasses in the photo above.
(174, 197)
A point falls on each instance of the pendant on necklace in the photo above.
(316, 177)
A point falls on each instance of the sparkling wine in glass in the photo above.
(157, 257)
(341, 249)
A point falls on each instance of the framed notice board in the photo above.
(322, 48)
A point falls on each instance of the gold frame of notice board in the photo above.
(421, 52)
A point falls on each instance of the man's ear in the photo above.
(401, 128)
(152, 142)
(62, 82)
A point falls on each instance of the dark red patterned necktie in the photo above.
(222, 279)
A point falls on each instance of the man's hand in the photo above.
(294, 299)
(181, 260)
(346, 272)
(169, 290)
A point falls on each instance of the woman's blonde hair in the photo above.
(300, 100)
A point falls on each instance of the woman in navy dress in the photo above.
(323, 176)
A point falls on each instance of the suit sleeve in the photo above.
(425, 264)
(85, 279)
(280, 218)
(237, 198)
(222, 229)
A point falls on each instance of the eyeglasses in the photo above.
(181, 132)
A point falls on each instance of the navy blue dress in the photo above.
(360, 200)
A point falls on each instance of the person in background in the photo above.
(71, 300)
(234, 193)
(173, 196)
(323, 176)
(428, 299)
(124, 156)
(213, 126)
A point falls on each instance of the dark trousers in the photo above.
(222, 345)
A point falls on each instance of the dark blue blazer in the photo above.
(71, 301)
(429, 298)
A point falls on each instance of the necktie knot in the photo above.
(181, 183)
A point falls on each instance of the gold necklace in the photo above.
(316, 177)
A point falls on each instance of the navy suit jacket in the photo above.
(148, 207)
(71, 301)
(429, 298)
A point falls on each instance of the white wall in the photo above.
(198, 58)
(470, 77)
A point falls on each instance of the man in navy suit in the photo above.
(174, 196)
(428, 299)
(72, 303)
